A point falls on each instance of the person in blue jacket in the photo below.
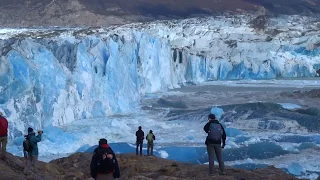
(32, 156)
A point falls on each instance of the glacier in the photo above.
(52, 77)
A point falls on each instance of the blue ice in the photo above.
(193, 155)
(307, 145)
(290, 106)
(218, 112)
(241, 139)
(198, 155)
(261, 150)
(232, 132)
(84, 148)
(295, 169)
(299, 139)
(57, 135)
(56, 80)
(120, 148)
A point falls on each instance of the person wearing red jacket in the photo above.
(3, 136)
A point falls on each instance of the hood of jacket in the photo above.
(214, 121)
(31, 134)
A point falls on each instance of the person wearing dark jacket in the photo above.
(3, 136)
(104, 164)
(139, 142)
(216, 133)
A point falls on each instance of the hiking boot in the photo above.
(223, 173)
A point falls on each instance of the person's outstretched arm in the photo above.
(36, 138)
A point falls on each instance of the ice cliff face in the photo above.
(55, 76)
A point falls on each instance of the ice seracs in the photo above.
(56, 76)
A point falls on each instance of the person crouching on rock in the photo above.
(216, 133)
(32, 150)
(104, 164)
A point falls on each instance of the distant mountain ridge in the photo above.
(71, 13)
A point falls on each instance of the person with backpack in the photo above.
(139, 142)
(150, 138)
(216, 133)
(27, 148)
(30, 146)
(104, 164)
(3, 136)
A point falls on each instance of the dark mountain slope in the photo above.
(16, 13)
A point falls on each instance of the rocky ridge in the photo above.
(76, 166)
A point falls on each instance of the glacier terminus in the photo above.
(63, 79)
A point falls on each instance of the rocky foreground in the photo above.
(76, 166)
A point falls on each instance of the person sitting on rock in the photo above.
(139, 142)
(150, 138)
(34, 152)
(3, 136)
(104, 164)
(216, 133)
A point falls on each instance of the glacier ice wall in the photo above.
(56, 76)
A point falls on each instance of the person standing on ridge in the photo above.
(104, 164)
(3, 136)
(150, 138)
(34, 152)
(139, 142)
(216, 133)
(27, 148)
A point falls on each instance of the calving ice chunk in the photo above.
(55, 79)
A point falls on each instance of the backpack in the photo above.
(215, 132)
(150, 137)
(104, 164)
(27, 146)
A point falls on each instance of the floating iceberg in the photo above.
(290, 106)
(295, 169)
(218, 112)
